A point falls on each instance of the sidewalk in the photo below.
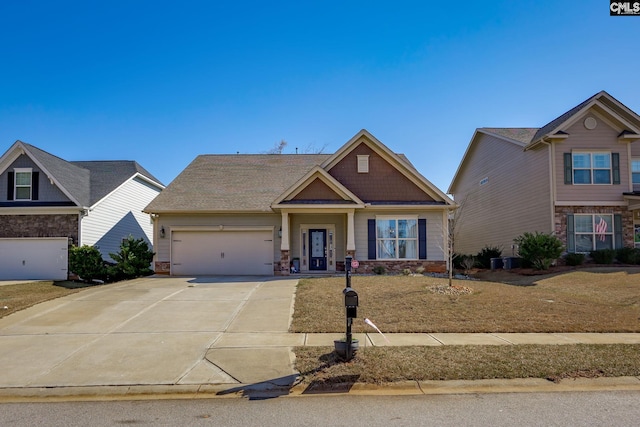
(192, 338)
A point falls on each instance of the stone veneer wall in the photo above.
(392, 267)
(561, 212)
(58, 225)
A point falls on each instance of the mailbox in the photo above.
(351, 302)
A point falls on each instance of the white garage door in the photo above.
(34, 258)
(202, 253)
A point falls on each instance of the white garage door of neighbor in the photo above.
(202, 253)
(34, 258)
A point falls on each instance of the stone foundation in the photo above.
(396, 267)
(162, 267)
(59, 225)
(285, 264)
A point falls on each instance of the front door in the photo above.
(318, 248)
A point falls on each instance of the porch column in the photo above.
(351, 234)
(284, 243)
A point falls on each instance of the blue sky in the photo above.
(161, 82)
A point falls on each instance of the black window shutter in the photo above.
(371, 226)
(10, 184)
(568, 169)
(571, 237)
(615, 167)
(617, 231)
(35, 185)
(422, 238)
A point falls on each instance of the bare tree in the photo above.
(278, 148)
(311, 148)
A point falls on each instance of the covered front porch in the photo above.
(316, 241)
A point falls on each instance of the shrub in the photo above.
(628, 255)
(461, 261)
(133, 259)
(420, 270)
(406, 271)
(603, 256)
(574, 259)
(539, 249)
(483, 258)
(86, 261)
(379, 269)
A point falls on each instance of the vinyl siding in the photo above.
(118, 216)
(602, 138)
(47, 192)
(163, 245)
(435, 236)
(515, 197)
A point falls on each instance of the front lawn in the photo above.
(595, 300)
(24, 295)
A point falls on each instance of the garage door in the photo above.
(34, 259)
(202, 253)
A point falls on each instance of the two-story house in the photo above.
(577, 177)
(47, 204)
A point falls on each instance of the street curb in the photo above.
(269, 391)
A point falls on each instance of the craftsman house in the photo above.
(280, 213)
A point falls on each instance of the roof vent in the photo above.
(590, 123)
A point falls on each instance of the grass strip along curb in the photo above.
(377, 365)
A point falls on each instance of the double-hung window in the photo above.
(593, 232)
(397, 238)
(22, 184)
(591, 167)
(635, 171)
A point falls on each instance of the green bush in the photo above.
(628, 255)
(133, 260)
(574, 259)
(483, 258)
(379, 269)
(603, 256)
(86, 261)
(406, 272)
(539, 249)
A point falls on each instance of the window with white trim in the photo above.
(22, 184)
(593, 232)
(396, 238)
(591, 167)
(635, 171)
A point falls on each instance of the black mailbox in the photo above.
(351, 302)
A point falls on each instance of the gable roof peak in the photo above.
(602, 98)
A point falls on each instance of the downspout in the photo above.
(552, 184)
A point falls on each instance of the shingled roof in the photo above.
(108, 175)
(85, 182)
(242, 182)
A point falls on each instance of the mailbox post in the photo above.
(350, 305)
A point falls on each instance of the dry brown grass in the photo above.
(24, 295)
(588, 300)
(320, 367)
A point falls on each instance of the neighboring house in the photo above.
(47, 203)
(577, 177)
(263, 214)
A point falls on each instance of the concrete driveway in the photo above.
(154, 331)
